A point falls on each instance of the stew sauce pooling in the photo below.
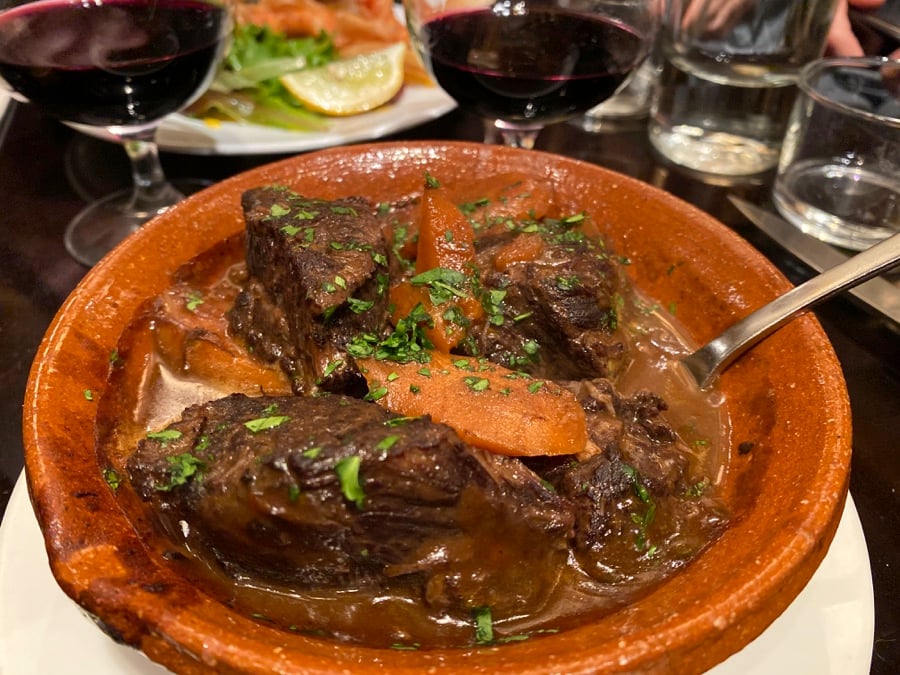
(325, 503)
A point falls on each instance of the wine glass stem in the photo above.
(512, 135)
(152, 192)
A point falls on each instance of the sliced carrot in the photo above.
(446, 238)
(524, 248)
(505, 195)
(489, 406)
(445, 242)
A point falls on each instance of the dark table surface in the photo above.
(48, 171)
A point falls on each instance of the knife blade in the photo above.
(878, 293)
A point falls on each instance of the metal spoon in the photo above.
(706, 363)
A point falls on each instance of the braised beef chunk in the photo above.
(637, 494)
(334, 491)
(561, 297)
(317, 277)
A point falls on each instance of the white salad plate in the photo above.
(5, 100)
(827, 630)
(179, 133)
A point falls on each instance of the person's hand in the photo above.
(714, 18)
(841, 39)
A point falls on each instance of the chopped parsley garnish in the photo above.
(477, 383)
(111, 476)
(193, 300)
(88, 395)
(491, 302)
(278, 210)
(347, 470)
(376, 394)
(404, 647)
(524, 636)
(359, 306)
(697, 489)
(165, 436)
(645, 519)
(470, 207)
(484, 625)
(182, 468)
(443, 284)
(331, 367)
(263, 423)
(406, 343)
(568, 283)
(399, 421)
(387, 443)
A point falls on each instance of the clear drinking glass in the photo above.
(727, 78)
(838, 176)
(121, 65)
(523, 64)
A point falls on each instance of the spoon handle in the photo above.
(708, 361)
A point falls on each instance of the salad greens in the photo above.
(246, 86)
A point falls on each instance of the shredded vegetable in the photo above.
(246, 86)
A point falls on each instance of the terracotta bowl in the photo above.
(786, 397)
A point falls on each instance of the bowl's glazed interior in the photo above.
(786, 400)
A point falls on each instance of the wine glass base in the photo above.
(102, 225)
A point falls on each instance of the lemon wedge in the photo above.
(352, 85)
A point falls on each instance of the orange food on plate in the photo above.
(355, 26)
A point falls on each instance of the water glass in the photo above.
(727, 80)
(839, 174)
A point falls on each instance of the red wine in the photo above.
(116, 62)
(543, 66)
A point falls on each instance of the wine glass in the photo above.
(523, 64)
(121, 65)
